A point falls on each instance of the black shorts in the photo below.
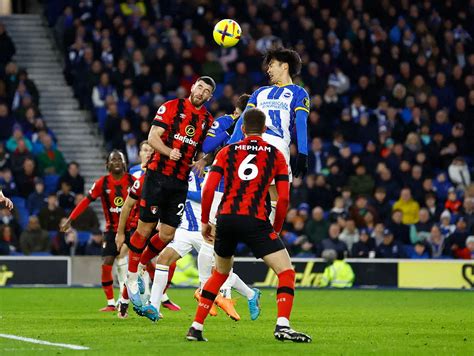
(109, 247)
(257, 234)
(162, 199)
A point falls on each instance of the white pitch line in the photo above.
(41, 342)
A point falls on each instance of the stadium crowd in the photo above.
(391, 126)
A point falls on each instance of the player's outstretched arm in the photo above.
(78, 210)
(155, 141)
(8, 203)
(124, 215)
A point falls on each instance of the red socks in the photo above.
(107, 281)
(155, 245)
(170, 276)
(285, 293)
(150, 268)
(137, 244)
(208, 294)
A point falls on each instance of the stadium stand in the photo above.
(392, 101)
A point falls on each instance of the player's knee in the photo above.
(167, 257)
(166, 236)
(145, 229)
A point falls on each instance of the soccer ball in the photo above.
(227, 33)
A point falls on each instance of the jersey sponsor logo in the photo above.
(116, 210)
(118, 201)
(190, 130)
(185, 139)
(154, 209)
(274, 104)
(252, 148)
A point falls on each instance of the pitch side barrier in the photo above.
(370, 273)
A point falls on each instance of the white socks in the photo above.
(241, 287)
(283, 322)
(111, 301)
(122, 267)
(204, 261)
(197, 325)
(159, 284)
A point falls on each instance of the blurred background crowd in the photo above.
(391, 128)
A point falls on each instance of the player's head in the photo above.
(254, 122)
(116, 162)
(146, 151)
(241, 104)
(280, 63)
(202, 90)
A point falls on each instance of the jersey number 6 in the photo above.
(247, 170)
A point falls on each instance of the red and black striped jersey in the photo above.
(136, 193)
(249, 167)
(185, 129)
(112, 194)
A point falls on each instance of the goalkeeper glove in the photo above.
(301, 165)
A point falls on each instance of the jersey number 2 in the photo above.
(247, 170)
(181, 209)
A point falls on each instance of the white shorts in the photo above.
(184, 241)
(283, 147)
(215, 205)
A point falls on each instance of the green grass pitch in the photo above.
(340, 322)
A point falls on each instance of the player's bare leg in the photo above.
(137, 244)
(107, 282)
(121, 262)
(274, 198)
(280, 263)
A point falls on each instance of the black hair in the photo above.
(209, 81)
(242, 102)
(254, 121)
(284, 55)
(115, 151)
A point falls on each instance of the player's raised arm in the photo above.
(302, 112)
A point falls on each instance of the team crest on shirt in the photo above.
(154, 209)
(287, 95)
(190, 130)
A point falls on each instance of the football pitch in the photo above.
(340, 322)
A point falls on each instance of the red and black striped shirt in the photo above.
(112, 194)
(248, 167)
(185, 129)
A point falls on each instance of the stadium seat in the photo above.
(257, 77)
(228, 77)
(23, 214)
(356, 148)
(52, 234)
(51, 183)
(83, 237)
(19, 202)
(15, 253)
(40, 254)
(218, 92)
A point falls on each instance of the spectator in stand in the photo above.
(359, 210)
(36, 200)
(34, 238)
(457, 240)
(50, 216)
(7, 47)
(419, 251)
(467, 253)
(332, 242)
(94, 245)
(8, 241)
(453, 204)
(365, 247)
(5, 161)
(88, 220)
(26, 178)
(337, 212)
(361, 182)
(73, 177)
(350, 234)
(381, 204)
(421, 230)
(433, 207)
(437, 243)
(64, 243)
(399, 230)
(459, 173)
(299, 192)
(7, 122)
(66, 198)
(316, 228)
(468, 213)
(408, 206)
(51, 161)
(390, 247)
(131, 149)
(7, 183)
(445, 224)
